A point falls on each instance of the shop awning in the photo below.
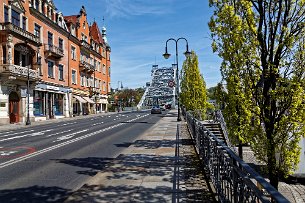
(89, 100)
(79, 98)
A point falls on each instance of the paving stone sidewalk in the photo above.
(157, 167)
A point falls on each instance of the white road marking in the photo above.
(59, 133)
(16, 133)
(94, 124)
(69, 136)
(67, 124)
(26, 135)
(16, 160)
(7, 153)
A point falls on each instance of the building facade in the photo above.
(50, 66)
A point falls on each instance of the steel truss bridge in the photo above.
(161, 89)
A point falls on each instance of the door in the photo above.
(14, 107)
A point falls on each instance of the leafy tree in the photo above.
(211, 93)
(261, 43)
(193, 88)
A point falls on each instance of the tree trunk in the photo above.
(240, 150)
(272, 168)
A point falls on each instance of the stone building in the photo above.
(47, 62)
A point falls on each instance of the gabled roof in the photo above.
(71, 19)
(95, 33)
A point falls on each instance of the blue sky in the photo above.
(138, 29)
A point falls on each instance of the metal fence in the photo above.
(233, 179)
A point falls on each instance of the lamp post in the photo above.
(166, 55)
(28, 121)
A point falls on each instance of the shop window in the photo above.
(15, 18)
(73, 77)
(6, 19)
(58, 107)
(38, 103)
(50, 69)
(60, 72)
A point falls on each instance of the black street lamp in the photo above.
(166, 55)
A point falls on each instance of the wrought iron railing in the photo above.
(234, 180)
(218, 118)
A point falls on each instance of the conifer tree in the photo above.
(193, 89)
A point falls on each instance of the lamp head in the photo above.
(187, 53)
(166, 55)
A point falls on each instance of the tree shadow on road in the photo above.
(34, 194)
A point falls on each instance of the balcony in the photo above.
(51, 50)
(17, 31)
(85, 45)
(19, 72)
(86, 66)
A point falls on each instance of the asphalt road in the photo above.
(45, 163)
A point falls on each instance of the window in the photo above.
(58, 104)
(95, 64)
(109, 71)
(73, 77)
(61, 44)
(109, 87)
(104, 69)
(73, 53)
(6, 14)
(37, 30)
(84, 25)
(104, 86)
(87, 83)
(38, 103)
(24, 23)
(15, 18)
(82, 80)
(50, 38)
(42, 7)
(4, 54)
(103, 53)
(60, 72)
(50, 69)
(99, 66)
(37, 5)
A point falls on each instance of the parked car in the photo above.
(156, 110)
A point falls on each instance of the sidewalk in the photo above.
(157, 167)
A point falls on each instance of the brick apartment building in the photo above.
(62, 61)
